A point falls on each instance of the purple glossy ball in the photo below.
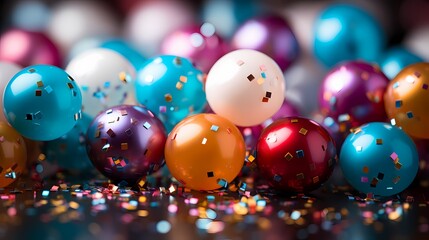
(286, 110)
(351, 94)
(126, 143)
(271, 35)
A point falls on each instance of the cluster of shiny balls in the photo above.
(205, 109)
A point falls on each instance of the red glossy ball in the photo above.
(295, 154)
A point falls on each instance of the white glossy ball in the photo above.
(246, 87)
(105, 78)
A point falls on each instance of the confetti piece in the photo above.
(70, 85)
(365, 169)
(124, 146)
(263, 75)
(147, 125)
(398, 103)
(45, 193)
(300, 153)
(49, 89)
(250, 158)
(425, 86)
(250, 77)
(260, 81)
(316, 179)
(398, 165)
(222, 182)
(303, 131)
(265, 99)
(380, 176)
(214, 128)
(277, 178)
(177, 61)
(204, 141)
(179, 86)
(111, 133)
(288, 156)
(38, 93)
(364, 179)
(300, 176)
(410, 114)
(183, 79)
(379, 141)
(168, 97)
(210, 174)
(39, 84)
(374, 182)
(393, 156)
(28, 116)
(123, 76)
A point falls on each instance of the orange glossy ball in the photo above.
(13, 154)
(407, 99)
(205, 152)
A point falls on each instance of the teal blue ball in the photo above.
(42, 102)
(394, 60)
(345, 32)
(171, 87)
(379, 158)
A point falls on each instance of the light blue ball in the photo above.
(42, 102)
(379, 158)
(345, 32)
(69, 151)
(125, 49)
(396, 59)
(171, 87)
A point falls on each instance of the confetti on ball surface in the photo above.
(214, 119)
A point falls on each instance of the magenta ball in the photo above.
(351, 94)
(200, 44)
(271, 35)
(251, 135)
(126, 143)
(27, 48)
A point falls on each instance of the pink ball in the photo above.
(28, 48)
(271, 35)
(199, 44)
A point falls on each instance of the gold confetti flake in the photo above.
(379, 141)
(398, 165)
(316, 179)
(183, 79)
(40, 84)
(168, 97)
(288, 156)
(124, 146)
(179, 86)
(260, 81)
(123, 77)
(250, 158)
(294, 120)
(70, 85)
(204, 141)
(300, 176)
(365, 169)
(303, 131)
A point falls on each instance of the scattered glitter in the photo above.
(303, 131)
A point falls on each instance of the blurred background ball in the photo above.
(104, 77)
(126, 143)
(13, 155)
(42, 102)
(126, 49)
(346, 32)
(7, 71)
(148, 23)
(171, 87)
(270, 34)
(30, 15)
(68, 152)
(395, 59)
(205, 152)
(26, 48)
(406, 100)
(379, 158)
(72, 21)
(416, 40)
(295, 154)
(352, 94)
(246, 87)
(200, 44)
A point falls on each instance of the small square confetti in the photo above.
(374, 182)
(417, 74)
(425, 86)
(70, 85)
(265, 99)
(70, 78)
(124, 146)
(178, 61)
(39, 84)
(179, 86)
(31, 70)
(214, 128)
(168, 97)
(364, 179)
(300, 153)
(250, 158)
(395, 85)
(162, 109)
(210, 174)
(303, 131)
(263, 68)
(28, 116)
(129, 132)
(183, 79)
(410, 114)
(300, 176)
(204, 141)
(250, 77)
(288, 156)
(48, 89)
(365, 169)
(277, 178)
(398, 103)
(147, 125)
(260, 81)
(263, 75)
(38, 93)
(379, 141)
(111, 133)
(380, 176)
(268, 94)
(396, 179)
(398, 165)
(294, 120)
(222, 182)
(240, 62)
(316, 179)
(393, 156)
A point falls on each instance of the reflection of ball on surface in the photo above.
(205, 152)
(171, 87)
(42, 102)
(406, 100)
(379, 158)
(346, 32)
(104, 77)
(126, 143)
(246, 87)
(295, 154)
(13, 154)
(7, 71)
